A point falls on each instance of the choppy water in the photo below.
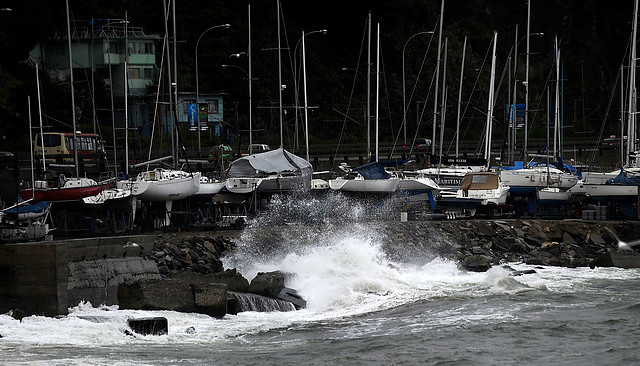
(364, 309)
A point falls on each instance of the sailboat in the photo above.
(552, 192)
(162, 184)
(622, 186)
(480, 189)
(273, 171)
(547, 181)
(371, 177)
(368, 178)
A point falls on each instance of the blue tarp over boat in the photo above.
(622, 179)
(373, 170)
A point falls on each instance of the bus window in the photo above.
(68, 141)
(49, 140)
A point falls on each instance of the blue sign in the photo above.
(519, 115)
(192, 116)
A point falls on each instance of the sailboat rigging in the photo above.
(54, 186)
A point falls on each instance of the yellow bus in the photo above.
(58, 147)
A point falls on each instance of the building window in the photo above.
(134, 73)
(213, 106)
(147, 73)
(148, 48)
(113, 47)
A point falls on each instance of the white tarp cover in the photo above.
(270, 162)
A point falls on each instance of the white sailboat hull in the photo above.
(165, 185)
(108, 196)
(242, 185)
(553, 194)
(418, 184)
(280, 183)
(528, 180)
(209, 188)
(365, 185)
(604, 190)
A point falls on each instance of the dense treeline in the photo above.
(593, 37)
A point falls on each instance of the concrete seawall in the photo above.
(49, 277)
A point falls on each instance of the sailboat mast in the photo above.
(526, 86)
(44, 164)
(622, 147)
(73, 102)
(435, 100)
(631, 123)
(280, 78)
(304, 80)
(126, 118)
(31, 147)
(556, 111)
(464, 51)
(126, 93)
(171, 109)
(369, 88)
(377, 89)
(487, 149)
(175, 81)
(444, 98)
(250, 78)
(514, 105)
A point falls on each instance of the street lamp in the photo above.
(404, 104)
(197, 83)
(295, 81)
(234, 67)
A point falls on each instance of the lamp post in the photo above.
(404, 104)
(197, 83)
(234, 67)
(295, 80)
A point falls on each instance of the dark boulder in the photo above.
(166, 294)
(149, 326)
(291, 295)
(476, 263)
(268, 283)
(210, 299)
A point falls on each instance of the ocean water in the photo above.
(363, 309)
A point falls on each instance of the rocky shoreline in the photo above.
(193, 278)
(476, 245)
(567, 243)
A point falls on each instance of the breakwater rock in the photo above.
(175, 253)
(193, 280)
(475, 244)
(479, 244)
